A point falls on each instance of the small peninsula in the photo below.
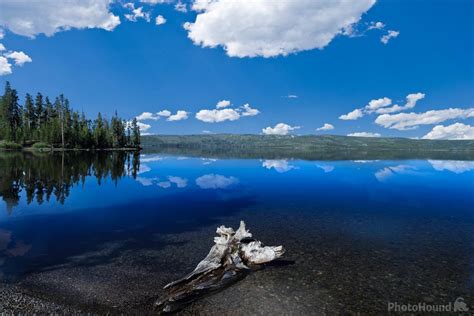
(40, 124)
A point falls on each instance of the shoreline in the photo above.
(45, 150)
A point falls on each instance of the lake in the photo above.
(105, 232)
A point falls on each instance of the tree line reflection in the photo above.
(43, 176)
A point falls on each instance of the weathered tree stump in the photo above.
(233, 255)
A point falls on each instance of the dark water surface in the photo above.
(105, 232)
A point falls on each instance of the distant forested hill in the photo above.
(308, 147)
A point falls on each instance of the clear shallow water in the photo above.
(359, 233)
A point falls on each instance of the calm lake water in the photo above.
(106, 232)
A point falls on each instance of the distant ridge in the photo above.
(308, 147)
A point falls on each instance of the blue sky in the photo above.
(138, 66)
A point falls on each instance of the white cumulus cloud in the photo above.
(453, 131)
(326, 127)
(377, 104)
(279, 129)
(376, 25)
(364, 134)
(19, 58)
(136, 13)
(147, 116)
(143, 127)
(179, 116)
(222, 104)
(223, 113)
(404, 121)
(153, 2)
(272, 28)
(215, 116)
(5, 66)
(383, 106)
(160, 20)
(412, 99)
(248, 111)
(181, 7)
(390, 34)
(164, 113)
(30, 18)
(354, 115)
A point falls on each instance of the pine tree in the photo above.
(118, 132)
(4, 124)
(99, 132)
(58, 125)
(61, 108)
(29, 118)
(55, 123)
(10, 114)
(75, 130)
(129, 136)
(86, 139)
(47, 130)
(135, 133)
(40, 112)
(40, 115)
(67, 122)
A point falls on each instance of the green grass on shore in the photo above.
(6, 145)
(40, 146)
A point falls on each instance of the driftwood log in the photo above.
(233, 255)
